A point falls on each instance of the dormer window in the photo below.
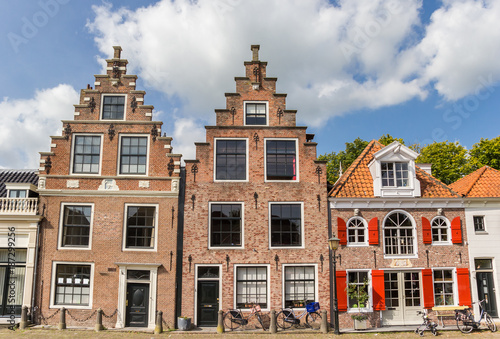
(113, 107)
(17, 193)
(256, 113)
(395, 174)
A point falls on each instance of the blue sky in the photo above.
(418, 70)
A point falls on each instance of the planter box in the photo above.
(360, 324)
(184, 324)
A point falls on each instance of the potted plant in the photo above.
(184, 323)
(359, 292)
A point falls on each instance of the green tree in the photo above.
(388, 139)
(346, 158)
(486, 152)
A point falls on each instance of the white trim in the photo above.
(61, 222)
(195, 306)
(448, 230)
(53, 284)
(484, 224)
(268, 285)
(72, 156)
(246, 160)
(297, 169)
(316, 295)
(455, 285)
(302, 233)
(124, 106)
(242, 246)
(415, 242)
(118, 158)
(391, 203)
(255, 102)
(370, 291)
(365, 224)
(124, 230)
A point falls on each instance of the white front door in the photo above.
(403, 298)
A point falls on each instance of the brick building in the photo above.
(110, 187)
(402, 238)
(256, 226)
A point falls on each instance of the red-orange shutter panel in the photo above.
(341, 291)
(426, 231)
(342, 229)
(428, 288)
(373, 232)
(456, 231)
(378, 290)
(463, 282)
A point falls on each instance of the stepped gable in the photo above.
(482, 183)
(16, 176)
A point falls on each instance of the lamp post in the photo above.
(333, 243)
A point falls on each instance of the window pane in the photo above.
(225, 224)
(286, 225)
(86, 154)
(280, 160)
(230, 160)
(140, 226)
(251, 287)
(76, 226)
(113, 107)
(255, 114)
(72, 284)
(133, 155)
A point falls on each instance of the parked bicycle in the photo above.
(466, 323)
(234, 318)
(426, 325)
(286, 318)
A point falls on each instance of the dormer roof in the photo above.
(482, 183)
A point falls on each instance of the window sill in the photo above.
(411, 256)
(287, 181)
(358, 245)
(480, 232)
(286, 247)
(138, 249)
(63, 248)
(226, 248)
(441, 243)
(72, 307)
(360, 310)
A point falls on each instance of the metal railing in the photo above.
(19, 206)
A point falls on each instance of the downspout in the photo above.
(33, 293)
(180, 247)
(330, 262)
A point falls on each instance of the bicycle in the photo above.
(466, 323)
(426, 325)
(286, 317)
(234, 318)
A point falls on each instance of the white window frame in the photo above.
(415, 242)
(118, 159)
(297, 160)
(448, 230)
(316, 295)
(357, 244)
(61, 226)
(101, 109)
(484, 224)
(370, 292)
(235, 274)
(255, 102)
(22, 186)
(242, 246)
(53, 285)
(408, 171)
(455, 285)
(215, 161)
(302, 236)
(73, 154)
(124, 240)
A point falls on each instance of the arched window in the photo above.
(356, 232)
(440, 233)
(399, 234)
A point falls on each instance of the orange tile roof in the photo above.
(482, 183)
(357, 181)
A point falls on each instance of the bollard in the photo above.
(62, 319)
(24, 318)
(324, 322)
(220, 322)
(98, 325)
(159, 322)
(272, 324)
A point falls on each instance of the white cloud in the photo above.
(26, 124)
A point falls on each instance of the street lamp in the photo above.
(333, 243)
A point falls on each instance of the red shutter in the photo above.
(341, 291)
(373, 232)
(456, 231)
(342, 229)
(463, 282)
(428, 288)
(426, 231)
(378, 290)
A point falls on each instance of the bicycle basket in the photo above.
(235, 314)
(312, 307)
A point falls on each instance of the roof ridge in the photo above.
(437, 181)
(480, 174)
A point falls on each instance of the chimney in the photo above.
(425, 167)
(118, 51)
(255, 52)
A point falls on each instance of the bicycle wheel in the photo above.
(490, 323)
(259, 318)
(313, 320)
(462, 324)
(281, 321)
(434, 330)
(230, 322)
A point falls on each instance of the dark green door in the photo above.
(208, 303)
(137, 305)
(486, 290)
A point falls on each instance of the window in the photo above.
(395, 174)
(251, 286)
(72, 285)
(479, 224)
(86, 154)
(12, 281)
(225, 225)
(113, 107)
(358, 289)
(17, 193)
(356, 232)
(140, 231)
(76, 226)
(398, 234)
(439, 227)
(281, 160)
(133, 155)
(286, 225)
(299, 286)
(443, 287)
(231, 160)
(255, 114)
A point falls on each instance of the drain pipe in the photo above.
(33, 293)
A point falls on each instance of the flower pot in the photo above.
(183, 324)
(360, 324)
